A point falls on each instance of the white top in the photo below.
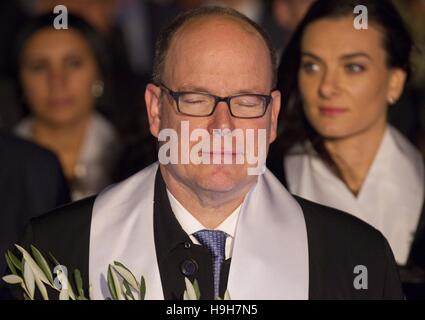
(191, 225)
(97, 156)
(390, 199)
(122, 230)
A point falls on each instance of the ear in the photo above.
(153, 107)
(276, 95)
(396, 84)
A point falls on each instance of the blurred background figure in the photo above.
(31, 183)
(287, 14)
(259, 11)
(116, 21)
(337, 146)
(409, 114)
(60, 74)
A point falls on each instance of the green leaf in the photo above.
(117, 284)
(42, 263)
(13, 279)
(25, 290)
(91, 296)
(185, 296)
(37, 272)
(142, 291)
(190, 289)
(111, 284)
(128, 294)
(42, 288)
(16, 262)
(55, 261)
(79, 283)
(29, 280)
(196, 288)
(10, 264)
(126, 274)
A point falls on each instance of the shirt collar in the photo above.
(191, 225)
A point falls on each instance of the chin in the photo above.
(222, 178)
(333, 131)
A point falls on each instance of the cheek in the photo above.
(34, 87)
(81, 86)
(35, 92)
(369, 96)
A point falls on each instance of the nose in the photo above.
(57, 78)
(329, 85)
(221, 118)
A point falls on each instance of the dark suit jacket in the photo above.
(337, 243)
(31, 183)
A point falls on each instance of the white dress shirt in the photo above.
(390, 199)
(191, 225)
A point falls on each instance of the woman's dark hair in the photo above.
(294, 127)
(75, 23)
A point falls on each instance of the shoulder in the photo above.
(341, 246)
(64, 231)
(16, 148)
(332, 224)
(70, 219)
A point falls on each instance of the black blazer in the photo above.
(337, 243)
(31, 183)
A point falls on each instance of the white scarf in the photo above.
(390, 198)
(270, 253)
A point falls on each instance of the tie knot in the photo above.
(213, 240)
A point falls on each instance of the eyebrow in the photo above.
(343, 57)
(205, 90)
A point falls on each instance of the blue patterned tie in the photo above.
(214, 241)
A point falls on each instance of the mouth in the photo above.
(331, 111)
(223, 153)
(60, 103)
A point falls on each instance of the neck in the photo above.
(354, 155)
(209, 208)
(65, 141)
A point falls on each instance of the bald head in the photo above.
(223, 46)
(223, 26)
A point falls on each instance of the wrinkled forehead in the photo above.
(217, 45)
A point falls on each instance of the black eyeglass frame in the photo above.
(176, 96)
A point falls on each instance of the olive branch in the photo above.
(33, 272)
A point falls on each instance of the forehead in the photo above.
(49, 41)
(213, 52)
(335, 37)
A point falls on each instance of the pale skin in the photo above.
(347, 87)
(57, 72)
(233, 59)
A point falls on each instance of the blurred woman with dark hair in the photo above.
(61, 77)
(338, 82)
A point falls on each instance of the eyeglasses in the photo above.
(197, 104)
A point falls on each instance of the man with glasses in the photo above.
(213, 222)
